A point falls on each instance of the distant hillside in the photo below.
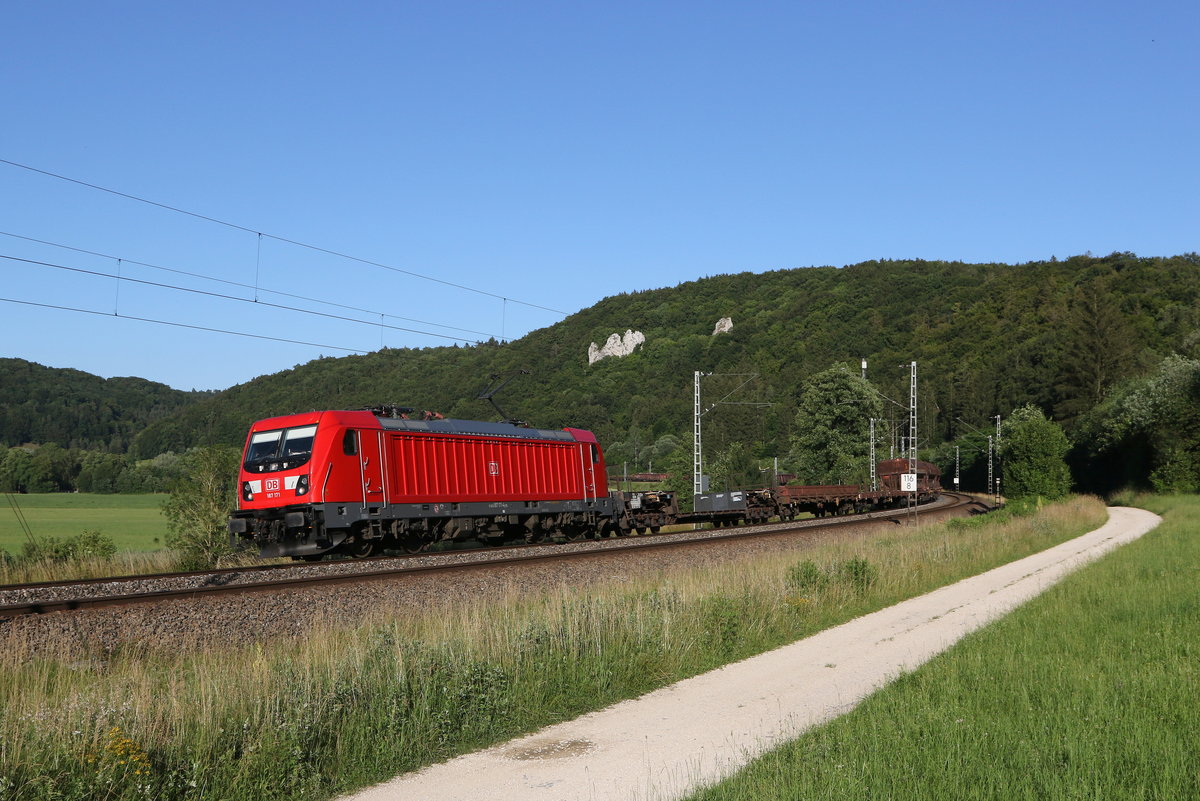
(987, 337)
(75, 409)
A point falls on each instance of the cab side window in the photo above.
(350, 443)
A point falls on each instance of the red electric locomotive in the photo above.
(355, 481)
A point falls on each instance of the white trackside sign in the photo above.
(908, 482)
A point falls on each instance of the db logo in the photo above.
(493, 468)
(271, 485)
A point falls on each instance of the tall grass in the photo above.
(1087, 692)
(122, 563)
(344, 707)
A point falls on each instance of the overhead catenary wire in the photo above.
(222, 296)
(257, 289)
(182, 325)
(21, 521)
(297, 243)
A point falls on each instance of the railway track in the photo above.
(35, 599)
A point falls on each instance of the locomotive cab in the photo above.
(280, 453)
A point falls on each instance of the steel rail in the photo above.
(628, 545)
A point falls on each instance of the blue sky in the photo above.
(553, 154)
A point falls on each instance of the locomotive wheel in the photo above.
(412, 544)
(360, 549)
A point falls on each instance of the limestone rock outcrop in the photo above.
(616, 345)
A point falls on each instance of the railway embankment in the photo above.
(370, 693)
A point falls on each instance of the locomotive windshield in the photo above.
(284, 449)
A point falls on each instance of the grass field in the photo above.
(1088, 692)
(134, 522)
(348, 705)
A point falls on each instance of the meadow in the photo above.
(1087, 692)
(339, 708)
(134, 522)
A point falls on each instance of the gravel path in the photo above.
(669, 743)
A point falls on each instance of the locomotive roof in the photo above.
(478, 427)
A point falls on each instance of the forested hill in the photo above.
(75, 409)
(988, 338)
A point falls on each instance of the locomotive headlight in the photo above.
(247, 493)
(302, 485)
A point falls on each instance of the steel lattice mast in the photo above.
(912, 419)
(696, 462)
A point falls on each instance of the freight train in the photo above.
(357, 482)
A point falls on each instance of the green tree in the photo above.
(678, 466)
(152, 475)
(1147, 431)
(198, 509)
(99, 472)
(1033, 453)
(1101, 347)
(16, 471)
(735, 468)
(831, 440)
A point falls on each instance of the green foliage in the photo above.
(51, 468)
(16, 472)
(831, 443)
(75, 409)
(679, 477)
(34, 468)
(198, 510)
(1033, 451)
(857, 573)
(88, 545)
(1147, 432)
(807, 576)
(100, 472)
(723, 618)
(1013, 508)
(1102, 344)
(735, 468)
(639, 454)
